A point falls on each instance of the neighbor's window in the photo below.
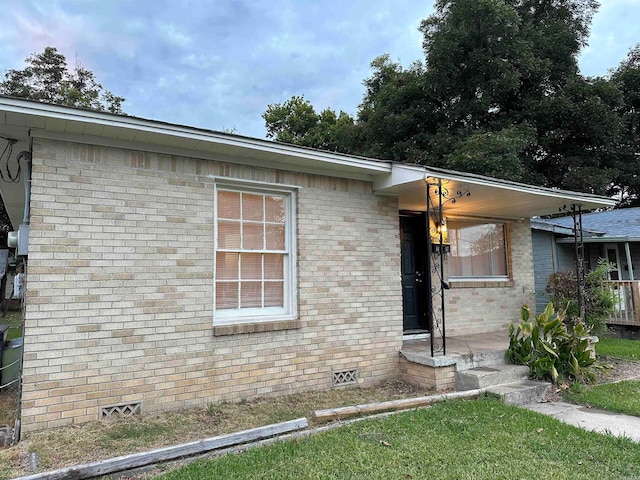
(478, 250)
(254, 255)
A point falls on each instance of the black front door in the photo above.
(413, 244)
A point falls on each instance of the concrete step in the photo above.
(497, 374)
(524, 392)
(483, 358)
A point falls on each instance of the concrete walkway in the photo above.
(591, 419)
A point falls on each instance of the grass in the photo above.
(484, 439)
(619, 348)
(14, 319)
(621, 397)
(94, 441)
(8, 405)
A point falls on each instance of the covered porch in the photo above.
(462, 306)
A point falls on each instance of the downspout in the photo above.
(627, 251)
(27, 185)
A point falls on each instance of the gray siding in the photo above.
(544, 260)
(566, 258)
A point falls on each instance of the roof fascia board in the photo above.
(521, 187)
(400, 175)
(551, 228)
(600, 240)
(200, 154)
(132, 123)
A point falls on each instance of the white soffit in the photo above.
(488, 198)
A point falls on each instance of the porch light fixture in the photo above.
(441, 238)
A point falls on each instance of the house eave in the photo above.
(46, 119)
(488, 198)
(602, 239)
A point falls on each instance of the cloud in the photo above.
(219, 63)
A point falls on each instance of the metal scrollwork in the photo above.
(436, 283)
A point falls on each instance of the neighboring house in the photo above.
(612, 235)
(170, 266)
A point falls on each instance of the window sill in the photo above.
(481, 283)
(255, 327)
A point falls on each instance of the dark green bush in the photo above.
(550, 348)
(598, 298)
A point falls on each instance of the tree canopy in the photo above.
(46, 78)
(498, 93)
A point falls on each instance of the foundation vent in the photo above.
(122, 410)
(345, 377)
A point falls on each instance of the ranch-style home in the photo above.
(170, 266)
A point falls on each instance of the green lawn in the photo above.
(482, 439)
(619, 348)
(14, 319)
(622, 397)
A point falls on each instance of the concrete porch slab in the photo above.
(465, 352)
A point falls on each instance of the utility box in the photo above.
(19, 240)
(11, 356)
(23, 241)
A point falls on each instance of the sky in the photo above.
(217, 64)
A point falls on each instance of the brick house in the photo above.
(170, 266)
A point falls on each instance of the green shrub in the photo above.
(598, 298)
(552, 349)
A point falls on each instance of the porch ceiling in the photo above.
(488, 197)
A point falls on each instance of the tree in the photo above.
(499, 94)
(46, 78)
(626, 78)
(296, 122)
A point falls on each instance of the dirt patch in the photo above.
(8, 406)
(620, 370)
(611, 370)
(63, 447)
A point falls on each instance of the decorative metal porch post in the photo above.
(578, 242)
(436, 310)
(436, 315)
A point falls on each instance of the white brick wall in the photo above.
(120, 287)
(489, 308)
(119, 295)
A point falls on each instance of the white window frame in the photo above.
(267, 314)
(486, 278)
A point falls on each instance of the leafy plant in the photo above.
(552, 349)
(598, 298)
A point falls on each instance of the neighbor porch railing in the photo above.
(626, 302)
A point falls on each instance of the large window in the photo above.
(478, 251)
(254, 255)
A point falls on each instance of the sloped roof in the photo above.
(618, 223)
(24, 120)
